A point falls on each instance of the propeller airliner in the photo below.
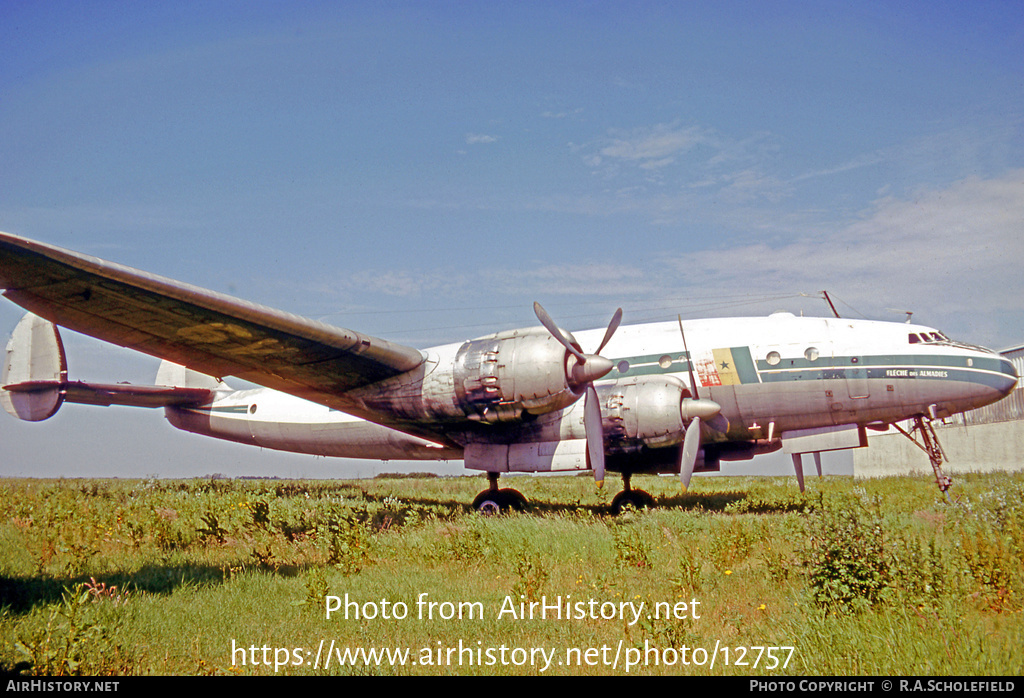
(672, 397)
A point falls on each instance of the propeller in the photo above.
(698, 407)
(595, 433)
(698, 411)
(587, 369)
(688, 453)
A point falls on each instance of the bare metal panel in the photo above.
(824, 439)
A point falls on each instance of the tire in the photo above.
(638, 499)
(494, 502)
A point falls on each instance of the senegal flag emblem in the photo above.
(725, 366)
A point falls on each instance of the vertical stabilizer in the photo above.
(177, 376)
(35, 370)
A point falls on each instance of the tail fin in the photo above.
(35, 370)
(177, 376)
(34, 380)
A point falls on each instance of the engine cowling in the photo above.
(650, 411)
(501, 377)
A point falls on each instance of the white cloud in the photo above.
(656, 146)
(866, 160)
(403, 283)
(950, 253)
(696, 170)
(478, 138)
(561, 114)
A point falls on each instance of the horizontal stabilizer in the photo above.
(35, 383)
(134, 395)
(106, 394)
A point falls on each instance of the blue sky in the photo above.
(424, 171)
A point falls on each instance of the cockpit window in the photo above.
(927, 337)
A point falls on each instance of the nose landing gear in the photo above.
(929, 443)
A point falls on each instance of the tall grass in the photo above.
(167, 577)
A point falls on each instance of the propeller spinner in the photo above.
(587, 369)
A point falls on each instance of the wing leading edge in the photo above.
(207, 331)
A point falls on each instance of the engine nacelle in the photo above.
(499, 378)
(650, 411)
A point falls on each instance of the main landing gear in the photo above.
(638, 499)
(498, 501)
(929, 443)
(494, 501)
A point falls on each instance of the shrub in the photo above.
(845, 556)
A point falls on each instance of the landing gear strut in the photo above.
(929, 443)
(638, 499)
(498, 501)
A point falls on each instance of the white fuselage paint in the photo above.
(770, 375)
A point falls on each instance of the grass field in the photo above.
(876, 577)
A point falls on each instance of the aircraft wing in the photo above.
(209, 332)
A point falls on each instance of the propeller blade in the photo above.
(588, 368)
(612, 326)
(689, 359)
(688, 453)
(595, 433)
(556, 332)
(719, 423)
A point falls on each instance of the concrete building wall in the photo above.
(974, 448)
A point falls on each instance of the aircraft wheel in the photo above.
(492, 502)
(638, 499)
(515, 499)
(488, 506)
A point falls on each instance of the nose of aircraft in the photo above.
(1009, 376)
(990, 379)
(993, 386)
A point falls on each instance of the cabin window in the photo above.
(811, 354)
(914, 339)
(665, 361)
(623, 366)
(773, 358)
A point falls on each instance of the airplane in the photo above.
(669, 397)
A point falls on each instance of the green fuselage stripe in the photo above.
(988, 371)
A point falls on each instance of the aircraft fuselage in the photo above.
(772, 376)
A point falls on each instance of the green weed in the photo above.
(532, 574)
(874, 578)
(632, 548)
(77, 636)
(845, 556)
